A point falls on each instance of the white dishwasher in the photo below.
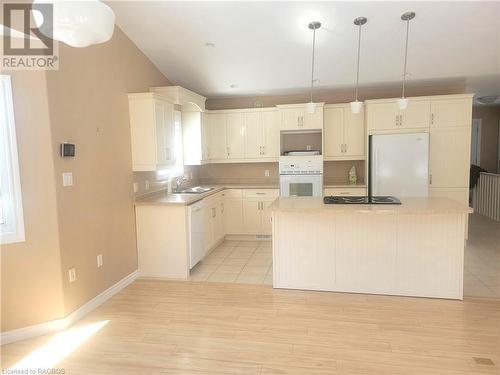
(196, 232)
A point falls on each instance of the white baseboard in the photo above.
(60, 324)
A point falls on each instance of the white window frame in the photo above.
(11, 205)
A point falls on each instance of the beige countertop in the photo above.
(168, 199)
(408, 206)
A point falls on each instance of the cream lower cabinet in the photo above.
(344, 133)
(256, 214)
(233, 211)
(214, 221)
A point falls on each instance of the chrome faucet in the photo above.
(177, 183)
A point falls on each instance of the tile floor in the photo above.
(243, 262)
(482, 258)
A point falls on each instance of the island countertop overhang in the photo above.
(434, 205)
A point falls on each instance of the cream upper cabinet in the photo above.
(235, 133)
(382, 116)
(295, 117)
(205, 137)
(217, 136)
(416, 115)
(344, 133)
(152, 131)
(253, 140)
(270, 134)
(449, 157)
(452, 112)
(333, 135)
(386, 115)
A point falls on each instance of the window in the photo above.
(11, 207)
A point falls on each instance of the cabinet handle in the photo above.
(263, 150)
(432, 118)
(400, 120)
(213, 212)
(228, 150)
(397, 120)
(430, 179)
(259, 193)
(345, 147)
(222, 208)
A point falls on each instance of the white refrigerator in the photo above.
(399, 165)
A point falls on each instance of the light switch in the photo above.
(136, 187)
(67, 179)
(266, 173)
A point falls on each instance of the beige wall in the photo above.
(490, 119)
(84, 102)
(31, 284)
(89, 106)
(336, 96)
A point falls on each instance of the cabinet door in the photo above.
(253, 139)
(313, 120)
(451, 112)
(208, 215)
(235, 135)
(333, 134)
(233, 216)
(161, 134)
(382, 116)
(251, 216)
(417, 115)
(205, 137)
(449, 162)
(354, 133)
(292, 118)
(271, 134)
(266, 224)
(218, 221)
(217, 144)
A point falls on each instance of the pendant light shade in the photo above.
(79, 23)
(311, 106)
(356, 105)
(407, 17)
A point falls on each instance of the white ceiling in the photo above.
(265, 47)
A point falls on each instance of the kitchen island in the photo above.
(412, 249)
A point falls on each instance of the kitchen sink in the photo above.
(194, 190)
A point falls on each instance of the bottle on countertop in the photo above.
(353, 178)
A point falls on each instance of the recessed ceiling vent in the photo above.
(488, 99)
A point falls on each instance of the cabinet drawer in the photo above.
(345, 191)
(261, 193)
(233, 193)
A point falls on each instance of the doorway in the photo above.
(475, 150)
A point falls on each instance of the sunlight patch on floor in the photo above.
(59, 347)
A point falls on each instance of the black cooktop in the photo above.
(382, 199)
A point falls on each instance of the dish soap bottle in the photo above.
(353, 178)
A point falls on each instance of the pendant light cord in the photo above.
(312, 67)
(406, 55)
(359, 51)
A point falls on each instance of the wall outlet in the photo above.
(146, 185)
(308, 148)
(72, 275)
(67, 179)
(135, 186)
(266, 173)
(99, 261)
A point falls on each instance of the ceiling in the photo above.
(263, 48)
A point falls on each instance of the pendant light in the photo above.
(78, 23)
(407, 17)
(311, 106)
(356, 104)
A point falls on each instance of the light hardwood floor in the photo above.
(166, 327)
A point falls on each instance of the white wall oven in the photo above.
(301, 176)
